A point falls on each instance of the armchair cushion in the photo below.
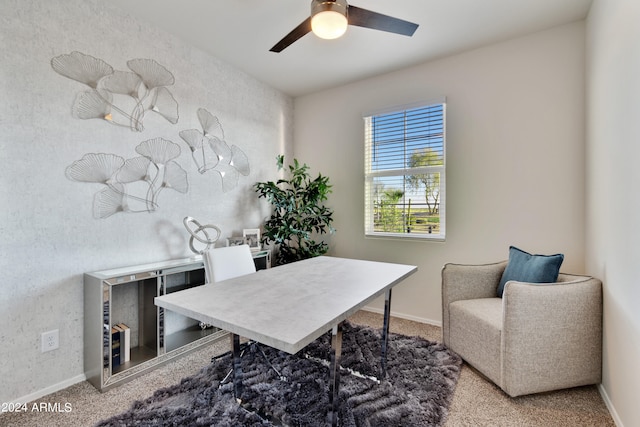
(525, 267)
(476, 333)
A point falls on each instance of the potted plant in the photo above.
(298, 213)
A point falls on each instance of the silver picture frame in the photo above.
(235, 241)
(252, 238)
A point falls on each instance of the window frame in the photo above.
(370, 175)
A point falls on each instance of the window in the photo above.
(405, 172)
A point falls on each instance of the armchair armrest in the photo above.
(552, 335)
(467, 281)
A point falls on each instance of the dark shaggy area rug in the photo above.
(292, 390)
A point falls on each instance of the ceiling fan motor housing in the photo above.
(339, 6)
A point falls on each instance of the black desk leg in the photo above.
(237, 367)
(334, 373)
(385, 335)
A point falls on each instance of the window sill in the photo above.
(406, 236)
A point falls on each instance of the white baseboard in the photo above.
(51, 389)
(610, 407)
(404, 316)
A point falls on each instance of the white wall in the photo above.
(613, 227)
(515, 157)
(48, 235)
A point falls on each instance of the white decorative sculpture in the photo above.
(207, 240)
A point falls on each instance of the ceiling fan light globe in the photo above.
(329, 24)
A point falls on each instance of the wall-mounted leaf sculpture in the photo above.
(136, 169)
(122, 82)
(175, 178)
(159, 150)
(211, 126)
(109, 201)
(131, 185)
(82, 68)
(95, 167)
(152, 74)
(165, 104)
(210, 151)
(119, 97)
(239, 161)
(93, 104)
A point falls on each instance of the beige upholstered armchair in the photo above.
(537, 337)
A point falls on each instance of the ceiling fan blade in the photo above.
(289, 39)
(377, 21)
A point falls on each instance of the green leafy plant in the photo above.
(298, 213)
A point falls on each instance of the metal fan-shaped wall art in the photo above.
(132, 185)
(210, 151)
(120, 98)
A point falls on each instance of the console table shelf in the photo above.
(126, 296)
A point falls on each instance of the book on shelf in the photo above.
(106, 350)
(115, 347)
(125, 344)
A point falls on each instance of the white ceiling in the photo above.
(241, 32)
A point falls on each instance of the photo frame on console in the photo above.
(252, 238)
(235, 241)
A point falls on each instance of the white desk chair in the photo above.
(228, 262)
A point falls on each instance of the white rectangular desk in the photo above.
(289, 306)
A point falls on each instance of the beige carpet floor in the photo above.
(476, 402)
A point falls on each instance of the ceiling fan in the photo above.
(329, 20)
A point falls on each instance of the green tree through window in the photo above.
(390, 217)
(429, 182)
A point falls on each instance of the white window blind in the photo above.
(405, 172)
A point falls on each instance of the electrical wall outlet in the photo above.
(50, 340)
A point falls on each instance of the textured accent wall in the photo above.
(49, 236)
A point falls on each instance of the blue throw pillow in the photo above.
(524, 267)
